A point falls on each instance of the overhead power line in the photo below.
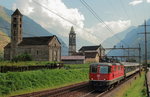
(99, 19)
(62, 17)
(123, 7)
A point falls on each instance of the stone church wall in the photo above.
(38, 53)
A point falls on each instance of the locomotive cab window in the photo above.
(93, 69)
(105, 69)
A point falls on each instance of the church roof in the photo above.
(72, 30)
(86, 48)
(43, 40)
(17, 12)
(7, 46)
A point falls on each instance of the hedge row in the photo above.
(26, 63)
(4, 69)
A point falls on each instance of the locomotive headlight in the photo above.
(91, 78)
(104, 79)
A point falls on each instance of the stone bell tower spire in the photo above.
(72, 42)
(16, 31)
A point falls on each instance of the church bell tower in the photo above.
(16, 31)
(72, 42)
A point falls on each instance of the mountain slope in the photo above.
(133, 39)
(4, 39)
(30, 27)
(110, 42)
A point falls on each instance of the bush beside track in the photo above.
(12, 83)
(27, 63)
(6, 66)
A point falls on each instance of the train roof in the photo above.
(109, 64)
(122, 63)
(129, 64)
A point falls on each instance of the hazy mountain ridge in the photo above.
(110, 42)
(30, 27)
(133, 39)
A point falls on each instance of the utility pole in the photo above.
(128, 54)
(140, 59)
(145, 35)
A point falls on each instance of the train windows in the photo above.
(105, 69)
(93, 69)
(114, 68)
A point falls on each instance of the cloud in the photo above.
(53, 22)
(103, 33)
(48, 19)
(60, 27)
(135, 2)
(148, 1)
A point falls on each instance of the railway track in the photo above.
(107, 92)
(59, 92)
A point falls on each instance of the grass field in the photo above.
(13, 83)
(134, 89)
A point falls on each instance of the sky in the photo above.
(57, 16)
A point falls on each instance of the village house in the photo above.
(92, 53)
(44, 48)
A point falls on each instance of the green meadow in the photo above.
(14, 83)
(133, 89)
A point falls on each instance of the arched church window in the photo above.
(15, 19)
(14, 25)
(37, 52)
(55, 55)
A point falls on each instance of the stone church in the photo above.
(44, 48)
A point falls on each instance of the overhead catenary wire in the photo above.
(115, 10)
(123, 7)
(97, 18)
(62, 17)
(95, 14)
(69, 20)
(133, 12)
(100, 20)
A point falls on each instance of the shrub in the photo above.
(22, 57)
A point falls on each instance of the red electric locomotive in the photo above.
(104, 75)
